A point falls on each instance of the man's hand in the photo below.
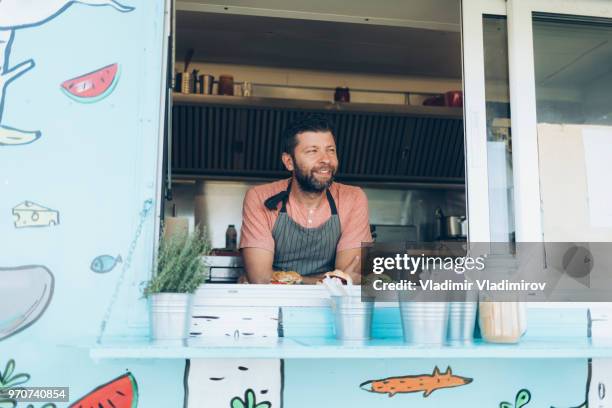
(349, 262)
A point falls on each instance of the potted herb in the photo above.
(179, 271)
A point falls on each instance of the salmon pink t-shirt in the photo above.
(258, 221)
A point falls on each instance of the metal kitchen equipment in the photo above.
(453, 226)
(183, 82)
(224, 269)
(206, 84)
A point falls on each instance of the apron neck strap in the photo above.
(284, 197)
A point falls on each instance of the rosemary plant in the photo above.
(179, 267)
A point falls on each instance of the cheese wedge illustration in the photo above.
(29, 214)
(10, 136)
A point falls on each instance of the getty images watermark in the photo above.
(575, 272)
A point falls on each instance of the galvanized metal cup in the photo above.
(424, 322)
(461, 321)
(352, 317)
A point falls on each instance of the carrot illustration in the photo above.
(415, 383)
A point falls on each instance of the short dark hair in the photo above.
(307, 123)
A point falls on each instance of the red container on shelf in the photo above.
(454, 99)
(342, 94)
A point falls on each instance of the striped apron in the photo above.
(308, 251)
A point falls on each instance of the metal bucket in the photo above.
(170, 315)
(461, 321)
(352, 317)
(424, 322)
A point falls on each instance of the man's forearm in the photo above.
(261, 277)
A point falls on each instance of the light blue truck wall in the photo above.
(87, 165)
(86, 168)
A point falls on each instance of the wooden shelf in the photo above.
(253, 101)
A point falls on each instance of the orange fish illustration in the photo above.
(415, 383)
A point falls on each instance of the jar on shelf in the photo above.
(226, 85)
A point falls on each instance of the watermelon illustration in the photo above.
(122, 392)
(93, 86)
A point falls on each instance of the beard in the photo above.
(308, 182)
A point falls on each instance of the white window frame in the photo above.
(528, 209)
(527, 199)
(477, 180)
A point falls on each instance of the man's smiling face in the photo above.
(314, 161)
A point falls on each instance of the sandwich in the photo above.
(286, 278)
(343, 276)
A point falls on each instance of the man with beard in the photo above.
(307, 223)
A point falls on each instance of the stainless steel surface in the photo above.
(395, 233)
(424, 322)
(223, 261)
(224, 269)
(461, 321)
(199, 206)
(352, 317)
(224, 275)
(219, 203)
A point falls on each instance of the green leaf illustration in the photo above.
(8, 371)
(7, 380)
(249, 396)
(522, 398)
(17, 380)
(249, 401)
(505, 404)
(237, 403)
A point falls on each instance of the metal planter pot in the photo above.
(352, 317)
(170, 316)
(424, 322)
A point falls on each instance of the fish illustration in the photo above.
(416, 383)
(105, 263)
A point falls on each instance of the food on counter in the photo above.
(93, 86)
(286, 278)
(344, 277)
(369, 280)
